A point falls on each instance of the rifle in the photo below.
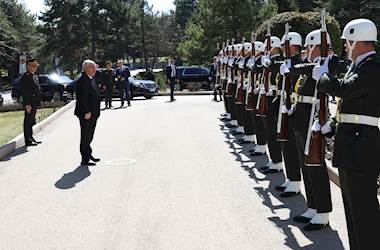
(262, 105)
(250, 93)
(225, 68)
(283, 119)
(315, 147)
(240, 95)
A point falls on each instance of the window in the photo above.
(194, 71)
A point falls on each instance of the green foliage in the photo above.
(184, 9)
(302, 23)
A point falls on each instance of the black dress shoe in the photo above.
(231, 126)
(237, 133)
(92, 158)
(35, 141)
(264, 168)
(314, 227)
(246, 142)
(30, 144)
(289, 194)
(280, 188)
(225, 120)
(271, 171)
(87, 164)
(301, 219)
(257, 154)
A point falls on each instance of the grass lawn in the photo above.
(11, 123)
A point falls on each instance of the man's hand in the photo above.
(284, 69)
(326, 129)
(28, 108)
(87, 116)
(319, 70)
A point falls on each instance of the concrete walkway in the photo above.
(192, 187)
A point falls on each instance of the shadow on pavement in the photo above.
(323, 239)
(14, 154)
(69, 180)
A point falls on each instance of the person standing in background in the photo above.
(30, 92)
(171, 75)
(108, 84)
(122, 75)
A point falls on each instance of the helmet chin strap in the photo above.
(310, 52)
(350, 49)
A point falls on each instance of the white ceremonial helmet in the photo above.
(359, 30)
(275, 42)
(238, 47)
(259, 47)
(313, 39)
(294, 39)
(247, 47)
(229, 48)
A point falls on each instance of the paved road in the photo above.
(192, 187)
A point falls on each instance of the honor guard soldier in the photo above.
(238, 106)
(30, 92)
(249, 130)
(316, 179)
(291, 186)
(272, 63)
(357, 136)
(226, 117)
(231, 86)
(257, 69)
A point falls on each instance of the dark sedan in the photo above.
(52, 88)
(193, 78)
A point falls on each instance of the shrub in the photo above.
(302, 23)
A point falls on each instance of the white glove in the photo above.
(265, 61)
(319, 70)
(326, 128)
(316, 126)
(291, 110)
(284, 109)
(284, 69)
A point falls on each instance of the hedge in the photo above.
(302, 23)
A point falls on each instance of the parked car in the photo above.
(145, 88)
(52, 88)
(193, 78)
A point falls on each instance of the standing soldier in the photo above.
(30, 92)
(214, 78)
(122, 75)
(257, 69)
(272, 63)
(291, 186)
(357, 141)
(231, 85)
(316, 180)
(108, 84)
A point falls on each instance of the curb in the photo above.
(186, 94)
(18, 141)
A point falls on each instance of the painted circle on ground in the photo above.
(121, 162)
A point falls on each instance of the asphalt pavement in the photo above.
(171, 177)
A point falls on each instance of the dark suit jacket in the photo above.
(30, 90)
(123, 73)
(357, 146)
(169, 72)
(88, 98)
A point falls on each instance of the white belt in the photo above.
(358, 119)
(302, 99)
(273, 87)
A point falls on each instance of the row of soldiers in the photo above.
(279, 102)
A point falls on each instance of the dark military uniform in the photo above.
(108, 83)
(273, 103)
(316, 179)
(249, 129)
(357, 147)
(289, 149)
(232, 67)
(30, 92)
(239, 105)
(257, 121)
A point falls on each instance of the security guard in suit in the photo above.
(30, 92)
(357, 140)
(108, 83)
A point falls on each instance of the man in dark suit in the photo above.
(171, 75)
(30, 92)
(108, 83)
(214, 71)
(122, 75)
(357, 140)
(87, 110)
